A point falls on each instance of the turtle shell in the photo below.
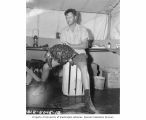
(62, 53)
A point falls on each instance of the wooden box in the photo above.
(112, 77)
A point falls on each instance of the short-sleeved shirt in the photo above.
(77, 36)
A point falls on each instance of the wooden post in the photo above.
(109, 27)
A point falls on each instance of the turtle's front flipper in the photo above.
(48, 59)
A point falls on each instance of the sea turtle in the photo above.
(61, 53)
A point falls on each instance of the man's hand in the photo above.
(67, 43)
(55, 63)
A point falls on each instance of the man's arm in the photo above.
(82, 45)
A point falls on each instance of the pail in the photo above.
(99, 82)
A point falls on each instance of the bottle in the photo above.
(35, 41)
(109, 45)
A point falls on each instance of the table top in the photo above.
(115, 50)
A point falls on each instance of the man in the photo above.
(76, 36)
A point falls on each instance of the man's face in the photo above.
(70, 18)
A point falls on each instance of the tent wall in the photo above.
(115, 27)
(50, 22)
(115, 23)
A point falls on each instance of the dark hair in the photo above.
(73, 11)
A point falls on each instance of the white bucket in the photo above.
(99, 82)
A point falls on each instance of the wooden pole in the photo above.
(109, 27)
